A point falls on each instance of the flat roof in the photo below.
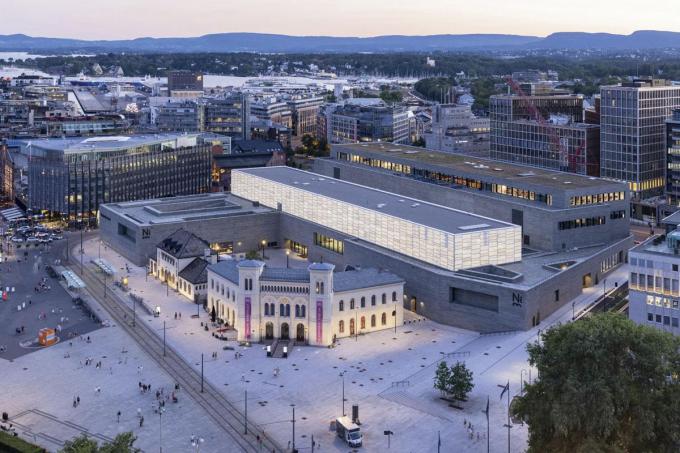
(182, 209)
(417, 211)
(105, 143)
(462, 164)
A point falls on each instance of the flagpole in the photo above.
(439, 441)
(487, 425)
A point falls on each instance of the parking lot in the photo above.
(43, 301)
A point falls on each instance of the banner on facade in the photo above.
(247, 326)
(319, 321)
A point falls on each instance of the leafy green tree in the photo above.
(253, 255)
(123, 443)
(606, 385)
(441, 377)
(420, 142)
(460, 383)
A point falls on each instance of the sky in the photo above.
(124, 19)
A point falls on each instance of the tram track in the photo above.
(221, 411)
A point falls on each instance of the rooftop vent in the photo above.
(528, 173)
(473, 227)
(415, 205)
(567, 182)
(381, 205)
(497, 169)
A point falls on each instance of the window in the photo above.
(394, 296)
(266, 309)
(658, 318)
(557, 295)
(341, 305)
(288, 310)
(666, 320)
(303, 309)
(373, 300)
(282, 310)
(363, 302)
(650, 317)
(383, 319)
(372, 320)
(341, 326)
(351, 304)
(675, 267)
(363, 322)
(384, 298)
(329, 243)
(674, 322)
(297, 311)
(633, 278)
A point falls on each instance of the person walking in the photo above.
(118, 417)
(141, 421)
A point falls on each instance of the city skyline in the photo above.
(351, 18)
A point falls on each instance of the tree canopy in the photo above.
(605, 385)
(123, 443)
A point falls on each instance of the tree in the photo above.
(252, 255)
(441, 377)
(420, 142)
(123, 443)
(606, 385)
(460, 383)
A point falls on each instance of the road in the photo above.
(216, 406)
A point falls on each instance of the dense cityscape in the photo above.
(245, 242)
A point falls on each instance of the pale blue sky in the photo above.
(117, 19)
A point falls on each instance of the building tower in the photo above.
(320, 303)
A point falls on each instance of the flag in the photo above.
(505, 389)
(439, 440)
(487, 408)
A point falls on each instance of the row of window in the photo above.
(621, 214)
(599, 198)
(634, 261)
(284, 310)
(362, 324)
(651, 283)
(362, 302)
(215, 285)
(285, 289)
(581, 223)
(329, 243)
(666, 320)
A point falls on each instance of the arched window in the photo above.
(228, 292)
(351, 304)
(384, 298)
(372, 320)
(282, 310)
(363, 322)
(303, 309)
(383, 319)
(363, 302)
(266, 309)
(341, 326)
(341, 305)
(297, 311)
(373, 299)
(288, 310)
(394, 296)
(321, 287)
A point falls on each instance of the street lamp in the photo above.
(342, 375)
(573, 305)
(245, 418)
(287, 256)
(293, 406)
(263, 243)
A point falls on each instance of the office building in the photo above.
(183, 116)
(633, 136)
(544, 131)
(373, 123)
(305, 111)
(271, 109)
(672, 189)
(70, 178)
(228, 115)
(653, 284)
(455, 128)
(181, 83)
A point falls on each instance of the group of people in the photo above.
(178, 315)
(42, 286)
(471, 431)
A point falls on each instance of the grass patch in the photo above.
(12, 444)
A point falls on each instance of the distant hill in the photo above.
(259, 42)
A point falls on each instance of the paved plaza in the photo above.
(389, 375)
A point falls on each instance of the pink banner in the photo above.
(247, 326)
(319, 321)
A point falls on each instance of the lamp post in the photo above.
(100, 248)
(342, 375)
(604, 293)
(521, 381)
(573, 306)
(201, 372)
(263, 243)
(245, 417)
(395, 317)
(293, 406)
(163, 338)
(287, 256)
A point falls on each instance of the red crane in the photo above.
(570, 159)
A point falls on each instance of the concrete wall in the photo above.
(540, 224)
(245, 231)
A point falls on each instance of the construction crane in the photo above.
(571, 160)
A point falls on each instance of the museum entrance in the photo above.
(300, 333)
(269, 331)
(285, 331)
